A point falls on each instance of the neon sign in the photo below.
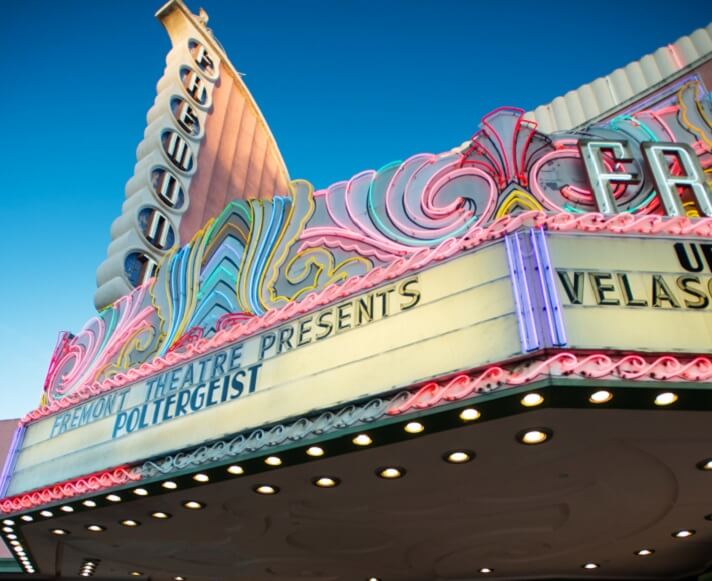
(673, 166)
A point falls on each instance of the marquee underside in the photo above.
(612, 479)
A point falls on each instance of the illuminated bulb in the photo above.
(11, 536)
(273, 460)
(362, 440)
(315, 451)
(266, 489)
(705, 464)
(14, 543)
(390, 473)
(134, 523)
(683, 534)
(7, 529)
(601, 396)
(193, 505)
(160, 514)
(27, 518)
(665, 398)
(136, 573)
(59, 532)
(486, 570)
(326, 482)
(531, 399)
(458, 457)
(533, 437)
(8, 522)
(201, 477)
(590, 566)
(236, 470)
(644, 552)
(89, 503)
(373, 579)
(178, 578)
(140, 492)
(113, 498)
(469, 414)
(96, 528)
(170, 485)
(414, 427)
(47, 514)
(66, 508)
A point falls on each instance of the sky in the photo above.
(344, 85)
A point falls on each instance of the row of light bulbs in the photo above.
(681, 534)
(534, 436)
(88, 567)
(361, 440)
(662, 399)
(22, 556)
(531, 436)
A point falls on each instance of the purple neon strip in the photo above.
(11, 458)
(525, 321)
(549, 287)
(515, 287)
(526, 295)
(548, 308)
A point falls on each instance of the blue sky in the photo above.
(344, 85)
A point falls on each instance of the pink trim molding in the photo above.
(70, 488)
(596, 366)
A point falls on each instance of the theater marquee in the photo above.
(622, 292)
(455, 316)
(493, 304)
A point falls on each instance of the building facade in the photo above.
(492, 361)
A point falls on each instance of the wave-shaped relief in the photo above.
(260, 255)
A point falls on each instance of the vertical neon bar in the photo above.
(527, 302)
(515, 289)
(11, 458)
(548, 309)
(522, 299)
(548, 285)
